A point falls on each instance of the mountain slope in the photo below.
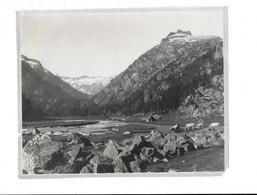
(165, 75)
(44, 94)
(88, 85)
(205, 100)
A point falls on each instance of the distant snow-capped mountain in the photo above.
(88, 85)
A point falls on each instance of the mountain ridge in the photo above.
(86, 84)
(160, 69)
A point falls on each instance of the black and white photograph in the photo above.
(123, 92)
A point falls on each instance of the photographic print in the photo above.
(107, 92)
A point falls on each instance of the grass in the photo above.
(209, 159)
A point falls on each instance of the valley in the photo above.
(123, 124)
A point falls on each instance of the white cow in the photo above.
(190, 126)
(174, 127)
(211, 126)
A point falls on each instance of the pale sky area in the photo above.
(105, 44)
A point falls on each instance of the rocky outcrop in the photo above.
(38, 152)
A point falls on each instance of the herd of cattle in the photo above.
(193, 126)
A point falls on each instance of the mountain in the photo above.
(165, 75)
(45, 95)
(88, 85)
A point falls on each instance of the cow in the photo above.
(175, 127)
(127, 133)
(213, 125)
(190, 126)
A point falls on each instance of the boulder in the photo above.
(200, 141)
(180, 139)
(87, 169)
(60, 170)
(155, 135)
(119, 166)
(185, 146)
(145, 162)
(38, 152)
(170, 147)
(104, 168)
(111, 150)
(138, 144)
(77, 157)
(105, 164)
(148, 152)
(216, 139)
(170, 137)
(72, 151)
(24, 142)
(135, 141)
(135, 166)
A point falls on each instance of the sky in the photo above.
(105, 44)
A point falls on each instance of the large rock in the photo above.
(197, 141)
(24, 142)
(170, 147)
(145, 162)
(72, 151)
(38, 152)
(200, 141)
(148, 152)
(217, 138)
(104, 168)
(87, 169)
(119, 166)
(111, 150)
(78, 164)
(138, 144)
(171, 137)
(135, 166)
(98, 164)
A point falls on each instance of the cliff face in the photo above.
(205, 100)
(165, 75)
